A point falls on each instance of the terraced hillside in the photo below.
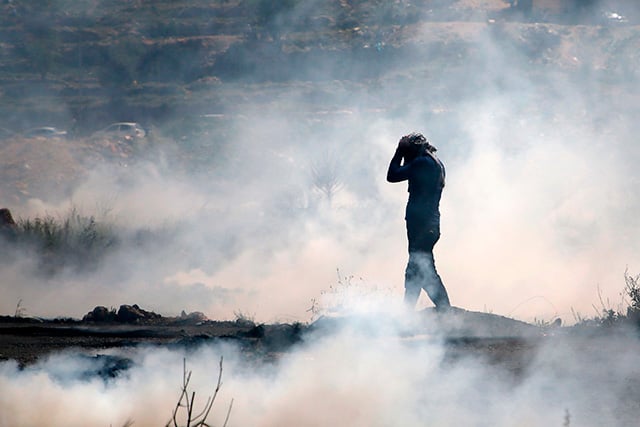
(81, 64)
(183, 68)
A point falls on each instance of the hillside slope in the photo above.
(187, 69)
(80, 65)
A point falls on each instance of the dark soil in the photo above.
(29, 340)
(506, 344)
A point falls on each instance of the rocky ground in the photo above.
(506, 343)
(27, 340)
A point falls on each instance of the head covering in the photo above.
(418, 139)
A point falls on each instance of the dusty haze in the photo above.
(538, 214)
(537, 127)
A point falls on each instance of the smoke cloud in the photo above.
(356, 375)
(538, 215)
(290, 215)
(536, 126)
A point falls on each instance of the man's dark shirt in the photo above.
(426, 180)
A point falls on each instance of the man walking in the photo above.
(415, 161)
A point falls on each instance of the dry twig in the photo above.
(186, 403)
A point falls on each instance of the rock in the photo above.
(100, 314)
(125, 314)
(134, 314)
(195, 317)
(6, 219)
(8, 226)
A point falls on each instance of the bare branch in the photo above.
(226, 419)
(215, 393)
(187, 399)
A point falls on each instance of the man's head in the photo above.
(415, 138)
(414, 145)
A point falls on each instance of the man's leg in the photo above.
(433, 283)
(421, 273)
(412, 282)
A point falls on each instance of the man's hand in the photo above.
(405, 142)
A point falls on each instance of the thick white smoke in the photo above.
(537, 215)
(539, 219)
(364, 374)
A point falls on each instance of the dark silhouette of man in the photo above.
(415, 161)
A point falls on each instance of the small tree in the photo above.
(326, 176)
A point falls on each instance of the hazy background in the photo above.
(283, 213)
(538, 214)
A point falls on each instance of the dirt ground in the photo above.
(28, 340)
(506, 344)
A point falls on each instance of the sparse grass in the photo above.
(20, 310)
(542, 323)
(627, 313)
(75, 240)
(333, 299)
(348, 295)
(243, 318)
(79, 242)
(607, 315)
